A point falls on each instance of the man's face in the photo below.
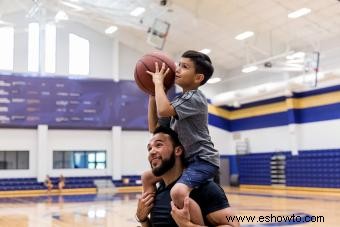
(161, 154)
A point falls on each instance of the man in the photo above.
(166, 160)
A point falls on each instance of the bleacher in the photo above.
(255, 169)
(20, 184)
(128, 180)
(310, 168)
(14, 184)
(79, 182)
(314, 168)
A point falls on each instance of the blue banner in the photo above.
(60, 102)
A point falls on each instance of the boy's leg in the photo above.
(178, 193)
(197, 173)
(149, 181)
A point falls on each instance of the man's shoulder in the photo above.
(209, 186)
(210, 197)
(208, 193)
(206, 189)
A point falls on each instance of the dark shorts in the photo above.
(197, 173)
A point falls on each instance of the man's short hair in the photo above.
(202, 63)
(173, 135)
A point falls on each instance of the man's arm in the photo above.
(146, 223)
(218, 218)
(145, 204)
(223, 217)
(182, 216)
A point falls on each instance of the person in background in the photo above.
(48, 184)
(61, 183)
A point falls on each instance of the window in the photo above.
(79, 159)
(79, 55)
(6, 47)
(50, 48)
(97, 160)
(33, 47)
(14, 159)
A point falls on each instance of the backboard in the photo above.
(158, 33)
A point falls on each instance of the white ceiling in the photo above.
(213, 24)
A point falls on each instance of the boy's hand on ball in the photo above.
(148, 78)
(159, 75)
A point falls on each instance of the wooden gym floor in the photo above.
(118, 209)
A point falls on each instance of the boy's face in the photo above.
(186, 76)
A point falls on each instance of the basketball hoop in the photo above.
(158, 33)
(312, 62)
(316, 59)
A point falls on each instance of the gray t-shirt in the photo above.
(191, 125)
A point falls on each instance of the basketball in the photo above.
(147, 63)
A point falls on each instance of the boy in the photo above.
(187, 114)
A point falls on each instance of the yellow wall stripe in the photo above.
(317, 100)
(219, 111)
(290, 103)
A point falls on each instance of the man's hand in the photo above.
(159, 75)
(145, 203)
(181, 216)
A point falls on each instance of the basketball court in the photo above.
(118, 209)
(74, 100)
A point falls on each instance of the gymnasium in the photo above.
(74, 126)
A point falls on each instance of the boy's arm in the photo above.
(152, 114)
(163, 105)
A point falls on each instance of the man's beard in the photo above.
(166, 165)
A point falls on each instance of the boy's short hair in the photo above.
(202, 63)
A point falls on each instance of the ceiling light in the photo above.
(249, 69)
(205, 51)
(138, 11)
(299, 13)
(214, 80)
(111, 29)
(78, 8)
(61, 15)
(297, 55)
(244, 35)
